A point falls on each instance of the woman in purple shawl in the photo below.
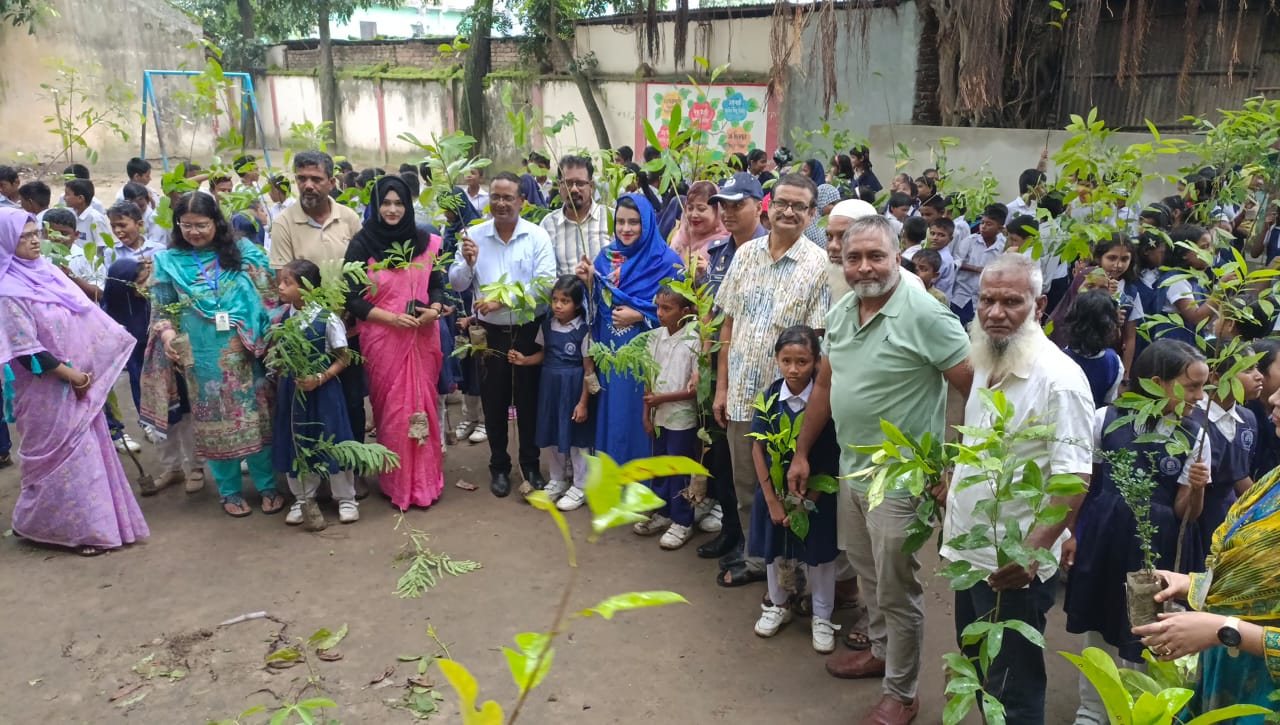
(623, 282)
(61, 354)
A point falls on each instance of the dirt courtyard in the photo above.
(140, 625)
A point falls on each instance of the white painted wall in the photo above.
(617, 104)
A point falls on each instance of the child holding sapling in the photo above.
(312, 407)
(564, 429)
(1168, 448)
(774, 534)
(1233, 436)
(671, 414)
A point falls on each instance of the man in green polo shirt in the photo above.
(889, 352)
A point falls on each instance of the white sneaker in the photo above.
(656, 524)
(150, 434)
(348, 512)
(572, 499)
(294, 517)
(124, 441)
(675, 537)
(709, 516)
(824, 636)
(464, 429)
(771, 619)
(479, 435)
(555, 489)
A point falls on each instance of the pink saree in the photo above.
(74, 490)
(403, 367)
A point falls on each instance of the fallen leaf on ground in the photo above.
(35, 682)
(384, 679)
(329, 655)
(420, 682)
(126, 691)
(465, 485)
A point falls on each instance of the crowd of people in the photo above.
(838, 301)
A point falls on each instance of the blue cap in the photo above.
(740, 186)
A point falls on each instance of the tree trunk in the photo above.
(472, 117)
(248, 126)
(328, 84)
(561, 46)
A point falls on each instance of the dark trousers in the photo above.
(719, 464)
(503, 384)
(671, 488)
(964, 313)
(354, 389)
(1017, 676)
(5, 443)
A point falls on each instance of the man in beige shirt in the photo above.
(316, 228)
(319, 229)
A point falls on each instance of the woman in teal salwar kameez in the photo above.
(217, 292)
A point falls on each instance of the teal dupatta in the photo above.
(194, 274)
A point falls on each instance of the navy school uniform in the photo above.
(1232, 462)
(322, 412)
(1266, 449)
(1102, 372)
(1107, 548)
(560, 388)
(772, 541)
(1180, 331)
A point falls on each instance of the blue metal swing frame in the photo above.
(247, 98)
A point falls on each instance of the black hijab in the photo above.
(376, 237)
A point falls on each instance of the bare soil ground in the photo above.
(78, 632)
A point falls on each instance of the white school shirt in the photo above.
(795, 401)
(572, 325)
(1018, 207)
(155, 196)
(1050, 388)
(90, 226)
(335, 333)
(1224, 420)
(676, 356)
(1164, 428)
(974, 252)
(478, 202)
(95, 273)
(946, 276)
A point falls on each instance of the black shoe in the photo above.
(534, 478)
(719, 546)
(362, 488)
(500, 484)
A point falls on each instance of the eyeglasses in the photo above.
(576, 183)
(198, 227)
(799, 207)
(29, 236)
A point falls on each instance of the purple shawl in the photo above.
(33, 279)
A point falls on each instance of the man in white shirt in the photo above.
(580, 228)
(507, 249)
(1011, 354)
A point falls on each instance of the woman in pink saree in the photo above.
(399, 321)
(61, 355)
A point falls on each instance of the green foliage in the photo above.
(707, 319)
(781, 446)
(83, 104)
(520, 299)
(27, 14)
(1134, 699)
(309, 136)
(1136, 486)
(631, 359)
(307, 712)
(426, 568)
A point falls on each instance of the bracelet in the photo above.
(88, 380)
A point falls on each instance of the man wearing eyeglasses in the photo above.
(774, 282)
(580, 228)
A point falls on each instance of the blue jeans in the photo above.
(1017, 675)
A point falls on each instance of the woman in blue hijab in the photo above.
(813, 169)
(623, 282)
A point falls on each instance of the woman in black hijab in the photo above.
(399, 313)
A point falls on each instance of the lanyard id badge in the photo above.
(222, 321)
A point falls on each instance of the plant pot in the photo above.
(419, 427)
(312, 518)
(1140, 589)
(479, 337)
(181, 344)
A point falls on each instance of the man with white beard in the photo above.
(838, 221)
(1011, 354)
(889, 353)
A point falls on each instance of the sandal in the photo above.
(241, 509)
(857, 641)
(739, 574)
(90, 551)
(272, 502)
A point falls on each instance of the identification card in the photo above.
(222, 321)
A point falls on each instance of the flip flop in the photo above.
(857, 641)
(272, 502)
(739, 574)
(236, 500)
(90, 551)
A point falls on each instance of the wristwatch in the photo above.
(1229, 636)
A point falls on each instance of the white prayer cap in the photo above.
(853, 209)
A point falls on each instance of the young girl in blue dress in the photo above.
(1233, 436)
(1106, 548)
(1092, 326)
(312, 407)
(564, 404)
(797, 354)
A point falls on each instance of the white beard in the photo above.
(874, 290)
(836, 281)
(1015, 352)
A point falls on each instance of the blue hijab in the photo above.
(816, 172)
(645, 263)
